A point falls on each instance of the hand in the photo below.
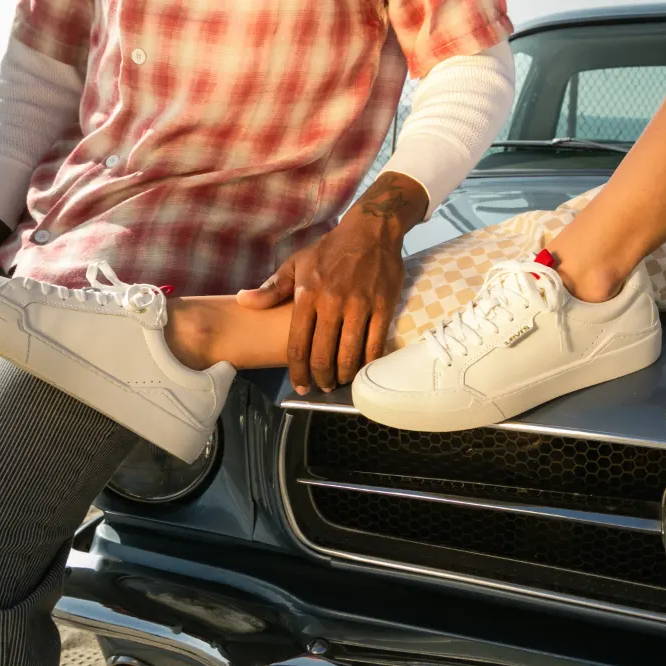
(345, 286)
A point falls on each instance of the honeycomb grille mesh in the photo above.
(496, 464)
(486, 455)
(632, 556)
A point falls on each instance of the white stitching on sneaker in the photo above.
(131, 297)
(504, 287)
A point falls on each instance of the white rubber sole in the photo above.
(88, 384)
(635, 356)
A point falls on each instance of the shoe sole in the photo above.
(80, 380)
(602, 368)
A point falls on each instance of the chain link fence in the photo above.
(611, 104)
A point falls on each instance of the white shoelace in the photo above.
(504, 289)
(131, 297)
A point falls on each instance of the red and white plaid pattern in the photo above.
(237, 131)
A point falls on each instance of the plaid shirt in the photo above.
(216, 140)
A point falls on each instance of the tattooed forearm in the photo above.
(394, 196)
(385, 209)
(388, 184)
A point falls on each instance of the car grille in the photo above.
(565, 514)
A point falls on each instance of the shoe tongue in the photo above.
(513, 283)
(544, 257)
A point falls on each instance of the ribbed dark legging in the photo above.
(56, 454)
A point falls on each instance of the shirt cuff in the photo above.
(414, 157)
(13, 191)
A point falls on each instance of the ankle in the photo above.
(187, 334)
(594, 283)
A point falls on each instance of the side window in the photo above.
(613, 104)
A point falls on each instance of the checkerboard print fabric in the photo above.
(443, 279)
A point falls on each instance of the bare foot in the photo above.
(587, 282)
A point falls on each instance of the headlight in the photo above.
(149, 474)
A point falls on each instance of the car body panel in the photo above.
(255, 605)
(608, 13)
(483, 200)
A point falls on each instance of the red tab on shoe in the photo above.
(546, 258)
(167, 289)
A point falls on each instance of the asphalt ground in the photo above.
(79, 648)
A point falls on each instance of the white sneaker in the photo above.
(105, 346)
(523, 341)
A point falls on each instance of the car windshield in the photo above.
(583, 96)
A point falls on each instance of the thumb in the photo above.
(277, 288)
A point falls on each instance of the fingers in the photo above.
(303, 321)
(325, 348)
(352, 343)
(377, 331)
(279, 287)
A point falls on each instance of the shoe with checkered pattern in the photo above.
(105, 346)
(522, 341)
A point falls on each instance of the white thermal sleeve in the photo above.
(457, 111)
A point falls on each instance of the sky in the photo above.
(519, 10)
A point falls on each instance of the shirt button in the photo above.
(111, 161)
(139, 56)
(41, 237)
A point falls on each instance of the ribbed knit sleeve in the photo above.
(458, 109)
(39, 99)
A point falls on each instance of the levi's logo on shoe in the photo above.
(520, 333)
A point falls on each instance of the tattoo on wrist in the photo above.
(374, 202)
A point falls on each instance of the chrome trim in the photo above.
(514, 426)
(651, 526)
(464, 579)
(558, 431)
(93, 616)
(310, 406)
(305, 660)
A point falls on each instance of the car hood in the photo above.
(483, 200)
(629, 409)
